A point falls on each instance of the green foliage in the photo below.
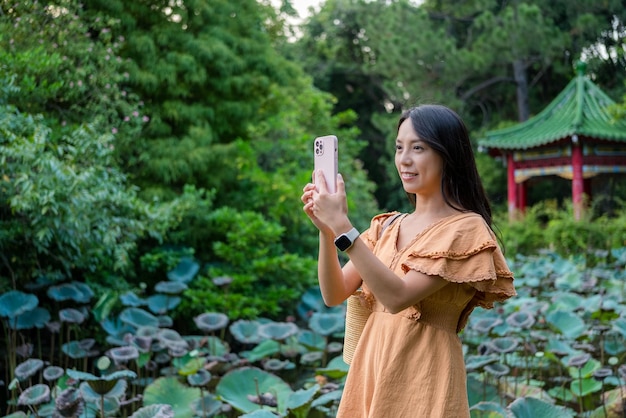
(65, 202)
(68, 68)
(265, 278)
(545, 226)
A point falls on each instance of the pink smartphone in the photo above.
(325, 156)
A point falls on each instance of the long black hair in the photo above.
(445, 132)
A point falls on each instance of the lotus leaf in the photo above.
(559, 347)
(18, 414)
(69, 403)
(35, 318)
(109, 404)
(259, 413)
(478, 362)
(77, 350)
(235, 386)
(311, 302)
(311, 340)
(327, 323)
(97, 387)
(212, 345)
(160, 304)
(71, 315)
(335, 369)
(301, 399)
(142, 344)
(332, 397)
(168, 390)
(116, 327)
(211, 321)
(132, 300)
(148, 331)
(84, 376)
(34, 395)
(170, 288)
(567, 323)
(124, 354)
(537, 408)
(311, 357)
(273, 365)
(185, 271)
(138, 317)
(92, 390)
(504, 344)
(165, 321)
(495, 410)
(172, 339)
(65, 291)
(278, 330)
(246, 332)
(334, 347)
(602, 373)
(47, 409)
(207, 406)
(570, 280)
(614, 344)
(586, 369)
(478, 390)
(28, 368)
(154, 411)
(52, 373)
(200, 378)
(619, 325)
(521, 319)
(497, 369)
(485, 324)
(264, 350)
(188, 365)
(85, 292)
(162, 358)
(14, 303)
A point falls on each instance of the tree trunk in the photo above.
(521, 81)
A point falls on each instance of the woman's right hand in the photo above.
(307, 199)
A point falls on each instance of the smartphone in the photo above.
(325, 157)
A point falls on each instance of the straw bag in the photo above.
(357, 314)
(356, 317)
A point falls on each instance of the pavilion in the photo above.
(574, 137)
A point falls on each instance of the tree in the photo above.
(492, 61)
(64, 206)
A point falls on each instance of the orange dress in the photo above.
(410, 364)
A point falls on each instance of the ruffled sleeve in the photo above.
(464, 250)
(371, 235)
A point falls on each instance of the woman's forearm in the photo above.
(329, 272)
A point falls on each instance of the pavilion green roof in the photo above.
(580, 109)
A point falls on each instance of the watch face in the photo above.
(343, 242)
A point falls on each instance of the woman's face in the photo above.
(419, 166)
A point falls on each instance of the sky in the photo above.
(302, 5)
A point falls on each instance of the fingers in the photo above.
(341, 185)
(320, 181)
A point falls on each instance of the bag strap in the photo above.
(388, 222)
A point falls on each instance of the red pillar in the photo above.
(522, 189)
(578, 185)
(511, 186)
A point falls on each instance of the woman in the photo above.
(421, 275)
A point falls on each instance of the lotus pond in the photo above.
(558, 349)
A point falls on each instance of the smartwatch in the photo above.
(345, 241)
